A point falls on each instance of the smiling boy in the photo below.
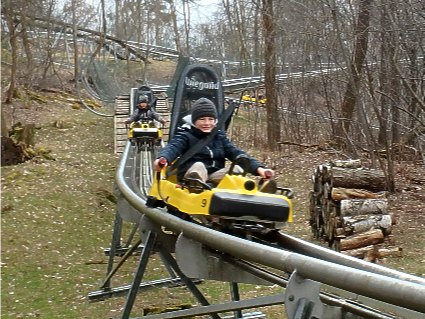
(209, 162)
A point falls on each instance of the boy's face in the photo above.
(205, 124)
(143, 105)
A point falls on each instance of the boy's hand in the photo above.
(160, 163)
(266, 173)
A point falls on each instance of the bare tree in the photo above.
(407, 20)
(239, 23)
(26, 42)
(9, 12)
(75, 39)
(361, 34)
(186, 22)
(175, 26)
(273, 124)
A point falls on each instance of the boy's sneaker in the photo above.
(268, 186)
(197, 171)
(196, 175)
(193, 175)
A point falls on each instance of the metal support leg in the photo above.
(149, 244)
(234, 291)
(302, 298)
(121, 262)
(303, 309)
(132, 233)
(188, 282)
(167, 266)
(115, 243)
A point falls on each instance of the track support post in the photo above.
(302, 298)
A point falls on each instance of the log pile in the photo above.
(349, 209)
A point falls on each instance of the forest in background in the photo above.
(345, 74)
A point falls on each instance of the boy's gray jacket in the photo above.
(144, 114)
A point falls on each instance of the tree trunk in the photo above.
(25, 134)
(28, 52)
(10, 20)
(393, 76)
(186, 20)
(273, 123)
(360, 48)
(4, 123)
(175, 26)
(384, 116)
(75, 41)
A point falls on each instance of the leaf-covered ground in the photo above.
(57, 217)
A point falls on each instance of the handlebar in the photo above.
(268, 174)
(162, 162)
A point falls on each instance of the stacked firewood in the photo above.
(349, 209)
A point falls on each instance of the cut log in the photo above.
(371, 255)
(331, 226)
(347, 164)
(316, 183)
(369, 179)
(340, 232)
(391, 251)
(371, 237)
(327, 190)
(363, 223)
(339, 193)
(373, 252)
(358, 252)
(354, 207)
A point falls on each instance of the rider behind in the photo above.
(144, 112)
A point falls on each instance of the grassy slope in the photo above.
(56, 218)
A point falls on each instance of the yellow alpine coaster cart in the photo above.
(233, 201)
(144, 130)
(235, 197)
(145, 133)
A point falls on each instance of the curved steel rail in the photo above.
(365, 279)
